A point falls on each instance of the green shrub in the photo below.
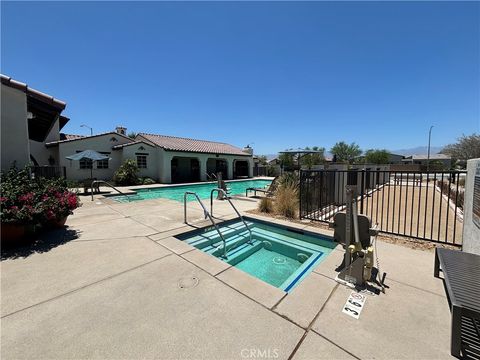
(286, 200)
(265, 205)
(127, 173)
(73, 184)
(147, 181)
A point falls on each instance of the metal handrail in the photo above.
(234, 208)
(105, 182)
(207, 214)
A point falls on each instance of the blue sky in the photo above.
(278, 74)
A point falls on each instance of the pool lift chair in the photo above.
(357, 268)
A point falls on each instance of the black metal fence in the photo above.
(421, 205)
(260, 171)
(49, 172)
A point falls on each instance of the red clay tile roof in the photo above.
(131, 143)
(79, 137)
(173, 143)
(70, 136)
(8, 81)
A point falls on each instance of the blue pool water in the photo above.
(203, 190)
(278, 255)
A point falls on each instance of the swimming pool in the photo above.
(279, 255)
(176, 192)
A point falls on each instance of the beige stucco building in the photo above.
(31, 123)
(29, 119)
(166, 159)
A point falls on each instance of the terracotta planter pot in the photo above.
(58, 223)
(12, 234)
(12, 231)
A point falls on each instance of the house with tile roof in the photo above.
(166, 159)
(31, 125)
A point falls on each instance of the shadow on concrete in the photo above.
(39, 243)
(246, 199)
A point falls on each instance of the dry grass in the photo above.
(286, 201)
(266, 205)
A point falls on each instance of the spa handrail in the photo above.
(108, 184)
(207, 214)
(225, 196)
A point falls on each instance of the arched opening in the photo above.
(241, 169)
(185, 169)
(215, 166)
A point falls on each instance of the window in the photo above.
(142, 161)
(85, 164)
(102, 164)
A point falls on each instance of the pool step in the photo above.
(211, 237)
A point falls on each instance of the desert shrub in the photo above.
(286, 200)
(265, 205)
(147, 181)
(127, 173)
(289, 179)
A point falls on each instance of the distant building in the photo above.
(274, 161)
(422, 159)
(395, 158)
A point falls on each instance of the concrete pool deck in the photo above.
(117, 284)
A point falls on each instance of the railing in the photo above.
(207, 214)
(410, 203)
(95, 182)
(234, 208)
(49, 172)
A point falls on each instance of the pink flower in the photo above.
(50, 215)
(26, 197)
(72, 201)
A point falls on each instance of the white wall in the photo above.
(15, 145)
(471, 231)
(102, 143)
(129, 152)
(40, 152)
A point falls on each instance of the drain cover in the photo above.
(279, 260)
(188, 282)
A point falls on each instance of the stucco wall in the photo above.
(130, 152)
(101, 143)
(41, 153)
(471, 232)
(15, 145)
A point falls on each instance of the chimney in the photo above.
(121, 130)
(247, 149)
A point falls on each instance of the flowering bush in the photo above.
(24, 200)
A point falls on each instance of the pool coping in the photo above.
(132, 190)
(259, 291)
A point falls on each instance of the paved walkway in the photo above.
(116, 284)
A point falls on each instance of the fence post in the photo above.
(300, 202)
(362, 190)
